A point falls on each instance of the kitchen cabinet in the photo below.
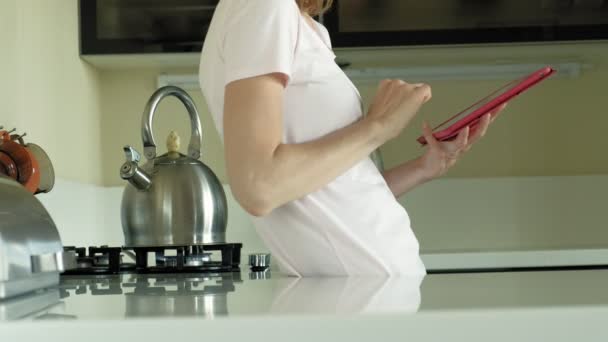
(179, 26)
(365, 23)
(143, 26)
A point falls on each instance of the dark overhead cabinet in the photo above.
(144, 26)
(357, 23)
(169, 26)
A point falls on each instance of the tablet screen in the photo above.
(470, 116)
(478, 105)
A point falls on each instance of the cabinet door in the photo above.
(144, 26)
(398, 22)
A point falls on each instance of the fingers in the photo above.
(481, 129)
(463, 139)
(393, 90)
(382, 94)
(423, 91)
(501, 108)
(428, 135)
(383, 84)
(456, 146)
(497, 111)
(467, 137)
(388, 90)
(407, 98)
(396, 103)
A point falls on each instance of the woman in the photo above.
(297, 144)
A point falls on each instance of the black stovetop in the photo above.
(216, 258)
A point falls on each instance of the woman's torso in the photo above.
(352, 226)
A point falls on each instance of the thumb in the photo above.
(428, 135)
(423, 91)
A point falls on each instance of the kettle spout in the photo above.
(131, 172)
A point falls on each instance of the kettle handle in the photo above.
(194, 147)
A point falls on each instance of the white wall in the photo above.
(46, 90)
(510, 213)
(8, 79)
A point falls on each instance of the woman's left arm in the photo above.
(438, 158)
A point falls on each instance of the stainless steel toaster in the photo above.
(31, 253)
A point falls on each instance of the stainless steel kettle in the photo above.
(173, 199)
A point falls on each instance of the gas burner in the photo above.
(188, 258)
(98, 260)
(191, 260)
(224, 257)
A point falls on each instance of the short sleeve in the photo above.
(260, 38)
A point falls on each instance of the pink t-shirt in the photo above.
(352, 226)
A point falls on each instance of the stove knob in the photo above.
(259, 261)
(259, 275)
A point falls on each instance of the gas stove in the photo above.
(207, 258)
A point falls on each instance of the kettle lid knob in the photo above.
(173, 144)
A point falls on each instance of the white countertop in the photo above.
(556, 305)
(480, 260)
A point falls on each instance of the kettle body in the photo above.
(174, 199)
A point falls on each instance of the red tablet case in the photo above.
(473, 114)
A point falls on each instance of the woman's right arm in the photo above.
(264, 173)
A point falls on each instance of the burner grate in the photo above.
(188, 258)
(167, 259)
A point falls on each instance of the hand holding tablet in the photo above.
(470, 117)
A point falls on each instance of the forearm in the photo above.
(295, 170)
(405, 177)
(265, 173)
(318, 162)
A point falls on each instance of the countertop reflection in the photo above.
(210, 296)
(245, 294)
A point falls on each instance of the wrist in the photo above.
(424, 174)
(376, 130)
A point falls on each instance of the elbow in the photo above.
(255, 200)
(256, 208)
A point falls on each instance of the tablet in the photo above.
(470, 117)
